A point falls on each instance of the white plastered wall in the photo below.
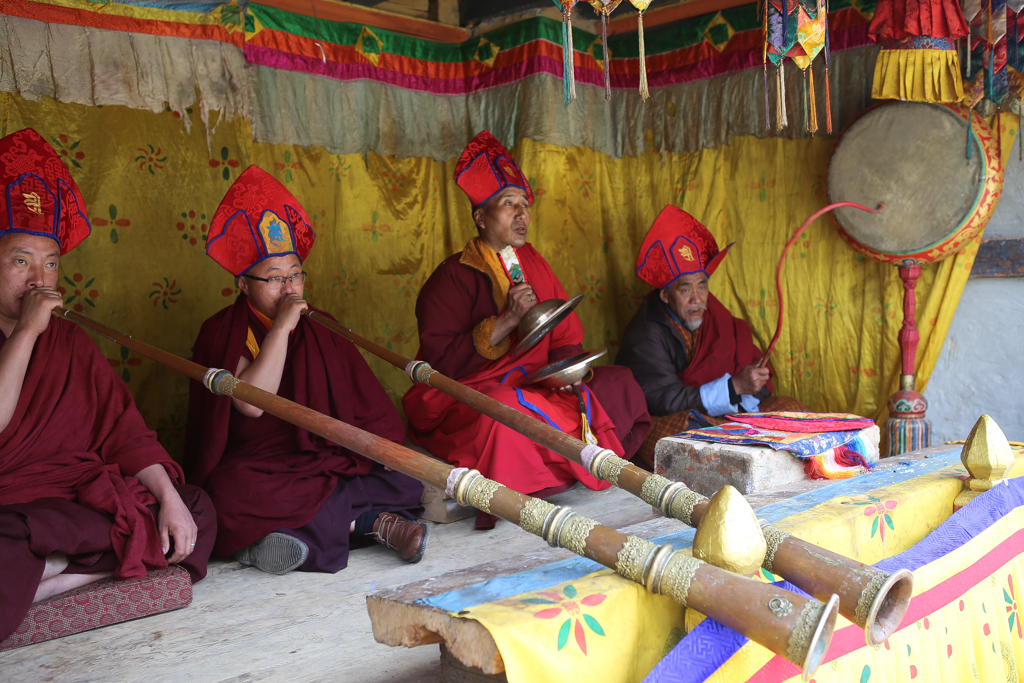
(981, 367)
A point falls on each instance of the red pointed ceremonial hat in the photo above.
(39, 195)
(486, 168)
(676, 245)
(258, 218)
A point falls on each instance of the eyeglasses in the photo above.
(278, 280)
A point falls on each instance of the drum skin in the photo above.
(912, 156)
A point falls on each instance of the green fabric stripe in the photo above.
(624, 46)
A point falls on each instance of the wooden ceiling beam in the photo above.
(624, 20)
(334, 10)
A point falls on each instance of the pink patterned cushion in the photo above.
(102, 603)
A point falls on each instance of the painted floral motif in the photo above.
(632, 296)
(68, 150)
(538, 191)
(114, 222)
(345, 282)
(165, 293)
(762, 186)
(879, 512)
(389, 339)
(79, 293)
(376, 229)
(827, 307)
(288, 166)
(867, 372)
(686, 186)
(763, 303)
(884, 312)
(124, 362)
(150, 159)
(338, 169)
(609, 340)
(169, 429)
(230, 291)
(585, 183)
(225, 162)
(1013, 613)
(592, 289)
(566, 601)
(606, 239)
(193, 227)
(393, 176)
(408, 283)
(800, 362)
(805, 244)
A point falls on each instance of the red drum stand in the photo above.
(907, 429)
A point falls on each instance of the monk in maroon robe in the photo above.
(687, 351)
(86, 490)
(287, 499)
(468, 313)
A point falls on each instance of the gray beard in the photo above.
(692, 326)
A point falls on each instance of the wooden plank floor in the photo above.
(244, 625)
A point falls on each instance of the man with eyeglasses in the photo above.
(288, 499)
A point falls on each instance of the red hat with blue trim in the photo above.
(485, 168)
(39, 195)
(676, 245)
(257, 219)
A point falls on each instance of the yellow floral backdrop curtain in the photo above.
(383, 224)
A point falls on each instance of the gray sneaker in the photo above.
(276, 554)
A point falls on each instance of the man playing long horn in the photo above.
(687, 351)
(288, 499)
(86, 490)
(468, 313)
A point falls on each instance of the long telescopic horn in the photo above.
(872, 599)
(790, 625)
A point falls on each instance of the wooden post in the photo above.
(907, 429)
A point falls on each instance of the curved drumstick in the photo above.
(792, 240)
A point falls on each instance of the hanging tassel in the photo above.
(604, 52)
(767, 114)
(782, 94)
(970, 124)
(566, 93)
(572, 58)
(764, 60)
(967, 61)
(778, 101)
(807, 108)
(828, 104)
(644, 92)
(812, 100)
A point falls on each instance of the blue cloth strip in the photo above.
(571, 569)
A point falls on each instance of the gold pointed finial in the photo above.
(728, 535)
(987, 456)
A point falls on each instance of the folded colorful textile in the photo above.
(826, 455)
(804, 423)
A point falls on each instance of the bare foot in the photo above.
(65, 582)
(55, 564)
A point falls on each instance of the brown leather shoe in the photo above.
(408, 539)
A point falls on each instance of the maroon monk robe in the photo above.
(66, 485)
(724, 345)
(455, 299)
(265, 474)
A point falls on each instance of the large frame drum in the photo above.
(939, 172)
